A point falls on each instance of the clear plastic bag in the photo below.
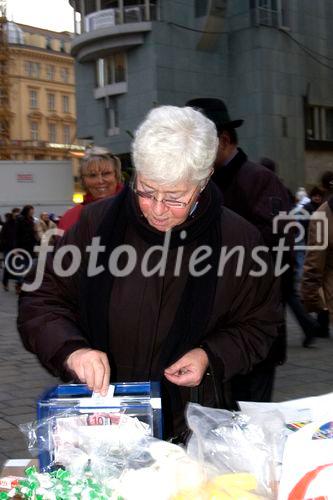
(232, 442)
(102, 443)
(121, 458)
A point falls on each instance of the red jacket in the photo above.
(72, 215)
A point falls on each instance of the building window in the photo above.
(111, 110)
(119, 67)
(49, 43)
(64, 73)
(52, 132)
(33, 97)
(50, 72)
(111, 69)
(65, 103)
(270, 13)
(62, 46)
(67, 134)
(200, 8)
(319, 123)
(51, 102)
(34, 131)
(32, 69)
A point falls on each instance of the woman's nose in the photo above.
(158, 206)
(100, 177)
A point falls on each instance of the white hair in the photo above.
(175, 144)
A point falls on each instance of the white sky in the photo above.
(56, 15)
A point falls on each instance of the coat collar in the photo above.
(224, 174)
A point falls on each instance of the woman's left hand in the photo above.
(189, 369)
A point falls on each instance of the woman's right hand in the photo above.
(92, 368)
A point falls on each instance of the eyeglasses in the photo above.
(107, 174)
(167, 202)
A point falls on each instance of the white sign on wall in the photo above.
(25, 177)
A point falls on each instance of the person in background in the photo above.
(268, 163)
(44, 224)
(26, 238)
(8, 243)
(186, 325)
(317, 196)
(273, 167)
(323, 315)
(310, 327)
(255, 193)
(54, 218)
(317, 280)
(309, 204)
(316, 199)
(326, 181)
(301, 197)
(100, 173)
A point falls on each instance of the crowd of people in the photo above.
(100, 174)
(21, 229)
(209, 331)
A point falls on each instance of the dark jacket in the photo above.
(8, 236)
(257, 194)
(238, 335)
(26, 236)
(254, 192)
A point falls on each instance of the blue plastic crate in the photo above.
(139, 399)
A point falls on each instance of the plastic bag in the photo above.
(122, 458)
(232, 442)
(103, 443)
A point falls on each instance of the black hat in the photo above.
(215, 110)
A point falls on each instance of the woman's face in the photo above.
(45, 216)
(99, 179)
(158, 214)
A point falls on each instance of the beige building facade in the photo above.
(41, 95)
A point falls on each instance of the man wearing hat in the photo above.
(257, 194)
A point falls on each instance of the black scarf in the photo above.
(197, 300)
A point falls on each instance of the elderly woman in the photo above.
(100, 173)
(161, 302)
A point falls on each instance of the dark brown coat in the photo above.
(317, 281)
(239, 334)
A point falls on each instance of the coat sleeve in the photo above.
(48, 316)
(39, 231)
(313, 274)
(265, 197)
(243, 337)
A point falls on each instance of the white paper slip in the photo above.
(109, 395)
(97, 400)
(17, 462)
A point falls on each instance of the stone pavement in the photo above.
(308, 372)
(22, 380)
